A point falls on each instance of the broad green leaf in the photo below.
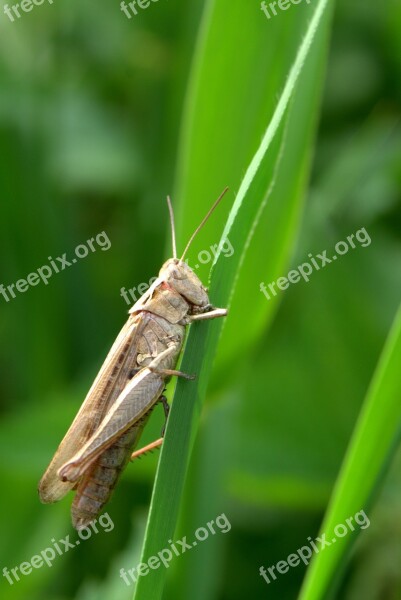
(220, 136)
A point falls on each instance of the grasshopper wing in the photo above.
(134, 403)
(112, 378)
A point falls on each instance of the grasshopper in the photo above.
(107, 428)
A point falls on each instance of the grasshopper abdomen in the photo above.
(95, 488)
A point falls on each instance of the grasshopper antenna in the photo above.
(172, 223)
(197, 230)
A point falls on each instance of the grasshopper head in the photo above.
(181, 278)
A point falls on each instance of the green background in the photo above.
(101, 118)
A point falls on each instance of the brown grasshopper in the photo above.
(100, 441)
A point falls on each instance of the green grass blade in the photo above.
(203, 337)
(368, 456)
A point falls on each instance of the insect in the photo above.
(107, 428)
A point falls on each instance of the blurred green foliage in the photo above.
(91, 108)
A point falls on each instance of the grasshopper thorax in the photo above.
(179, 276)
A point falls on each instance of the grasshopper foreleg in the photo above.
(211, 314)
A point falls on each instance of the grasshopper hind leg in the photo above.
(142, 451)
(166, 408)
(157, 443)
